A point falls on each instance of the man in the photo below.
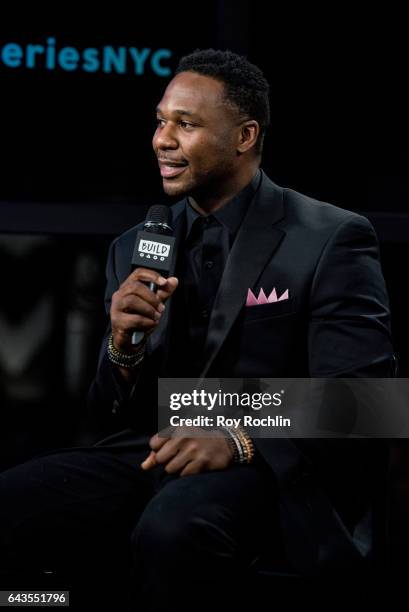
(191, 512)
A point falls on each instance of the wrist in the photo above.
(122, 343)
(127, 360)
(241, 444)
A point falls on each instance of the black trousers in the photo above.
(178, 543)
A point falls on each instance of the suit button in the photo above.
(209, 264)
(115, 407)
(205, 313)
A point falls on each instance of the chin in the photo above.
(173, 189)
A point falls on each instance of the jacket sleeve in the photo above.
(349, 331)
(349, 336)
(109, 393)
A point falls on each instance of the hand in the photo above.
(189, 455)
(136, 308)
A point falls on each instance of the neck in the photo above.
(217, 197)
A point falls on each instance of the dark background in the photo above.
(76, 169)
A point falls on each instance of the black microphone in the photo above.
(154, 248)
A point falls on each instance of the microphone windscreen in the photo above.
(158, 219)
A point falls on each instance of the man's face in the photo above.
(195, 139)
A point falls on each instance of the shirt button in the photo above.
(205, 313)
(209, 264)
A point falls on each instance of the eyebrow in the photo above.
(178, 111)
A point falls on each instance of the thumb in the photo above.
(166, 291)
(172, 283)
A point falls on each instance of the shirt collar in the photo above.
(232, 213)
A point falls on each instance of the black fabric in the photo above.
(335, 322)
(202, 257)
(87, 513)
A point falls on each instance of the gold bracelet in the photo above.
(247, 444)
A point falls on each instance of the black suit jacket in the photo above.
(336, 323)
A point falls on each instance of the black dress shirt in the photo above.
(202, 257)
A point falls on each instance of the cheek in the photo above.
(154, 140)
(207, 153)
(224, 149)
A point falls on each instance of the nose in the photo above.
(164, 137)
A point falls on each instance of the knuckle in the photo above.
(161, 455)
(194, 446)
(204, 460)
(152, 313)
(138, 271)
(138, 286)
(114, 300)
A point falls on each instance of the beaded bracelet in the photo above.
(247, 443)
(234, 444)
(243, 444)
(234, 448)
(234, 435)
(125, 360)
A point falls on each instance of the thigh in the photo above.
(238, 505)
(64, 503)
(199, 536)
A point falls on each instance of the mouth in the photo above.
(170, 169)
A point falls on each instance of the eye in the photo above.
(160, 122)
(186, 125)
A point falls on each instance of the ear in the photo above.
(248, 134)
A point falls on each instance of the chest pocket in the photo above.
(267, 311)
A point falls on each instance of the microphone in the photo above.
(154, 248)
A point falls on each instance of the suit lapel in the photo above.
(255, 243)
(158, 337)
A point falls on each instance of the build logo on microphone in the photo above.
(153, 251)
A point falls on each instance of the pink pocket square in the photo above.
(252, 300)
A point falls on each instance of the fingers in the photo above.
(188, 456)
(166, 286)
(166, 290)
(163, 450)
(135, 307)
(148, 276)
(193, 467)
(156, 442)
(149, 462)
(178, 463)
(134, 297)
(134, 304)
(167, 451)
(132, 286)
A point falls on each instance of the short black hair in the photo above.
(245, 85)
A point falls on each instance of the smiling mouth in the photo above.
(170, 170)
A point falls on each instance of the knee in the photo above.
(162, 529)
(172, 531)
